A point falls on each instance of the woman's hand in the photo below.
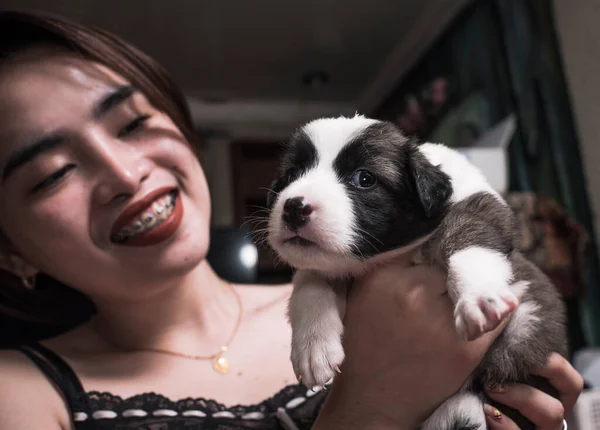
(404, 356)
(546, 412)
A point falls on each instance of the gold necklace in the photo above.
(219, 363)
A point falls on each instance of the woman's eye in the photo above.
(363, 179)
(134, 125)
(52, 179)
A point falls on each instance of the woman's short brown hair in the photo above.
(51, 301)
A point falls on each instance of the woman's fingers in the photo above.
(543, 410)
(496, 421)
(562, 376)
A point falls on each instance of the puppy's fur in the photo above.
(354, 192)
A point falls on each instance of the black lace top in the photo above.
(292, 408)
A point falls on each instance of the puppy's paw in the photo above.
(317, 358)
(461, 411)
(480, 283)
(478, 314)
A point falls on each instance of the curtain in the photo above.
(546, 157)
(500, 57)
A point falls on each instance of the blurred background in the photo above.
(514, 84)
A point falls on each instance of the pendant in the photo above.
(220, 363)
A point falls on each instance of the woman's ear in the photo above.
(19, 267)
(12, 262)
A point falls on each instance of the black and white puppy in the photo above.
(354, 192)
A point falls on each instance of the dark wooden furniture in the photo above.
(253, 169)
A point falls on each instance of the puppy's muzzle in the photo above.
(296, 213)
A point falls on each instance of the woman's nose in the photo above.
(122, 170)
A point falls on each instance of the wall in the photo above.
(579, 39)
(218, 169)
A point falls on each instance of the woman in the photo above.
(101, 192)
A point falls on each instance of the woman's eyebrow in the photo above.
(24, 155)
(111, 100)
(27, 153)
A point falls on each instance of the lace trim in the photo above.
(290, 396)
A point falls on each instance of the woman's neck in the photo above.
(195, 316)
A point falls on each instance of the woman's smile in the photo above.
(151, 220)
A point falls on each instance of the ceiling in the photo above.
(242, 64)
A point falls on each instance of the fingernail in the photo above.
(497, 388)
(492, 412)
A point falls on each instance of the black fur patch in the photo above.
(433, 185)
(300, 156)
(409, 198)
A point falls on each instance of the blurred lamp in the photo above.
(233, 255)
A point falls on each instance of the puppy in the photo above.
(352, 193)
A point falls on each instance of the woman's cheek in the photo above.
(65, 213)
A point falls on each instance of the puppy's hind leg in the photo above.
(463, 411)
(315, 311)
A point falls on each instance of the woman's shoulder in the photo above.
(17, 367)
(28, 398)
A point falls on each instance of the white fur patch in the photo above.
(523, 323)
(330, 135)
(316, 311)
(466, 178)
(480, 270)
(479, 284)
(332, 220)
(520, 288)
(463, 407)
(331, 227)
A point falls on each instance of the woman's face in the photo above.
(98, 189)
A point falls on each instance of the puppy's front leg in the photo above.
(480, 284)
(315, 311)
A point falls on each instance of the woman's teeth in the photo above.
(151, 217)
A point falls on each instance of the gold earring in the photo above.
(28, 281)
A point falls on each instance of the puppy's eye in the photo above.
(363, 179)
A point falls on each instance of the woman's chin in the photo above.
(166, 270)
(182, 251)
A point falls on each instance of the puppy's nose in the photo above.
(296, 212)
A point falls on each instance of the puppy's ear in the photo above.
(432, 185)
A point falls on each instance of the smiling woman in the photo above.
(18, 33)
(103, 199)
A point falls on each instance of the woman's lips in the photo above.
(161, 232)
(137, 208)
(159, 227)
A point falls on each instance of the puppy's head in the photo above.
(349, 189)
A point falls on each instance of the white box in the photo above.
(489, 153)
